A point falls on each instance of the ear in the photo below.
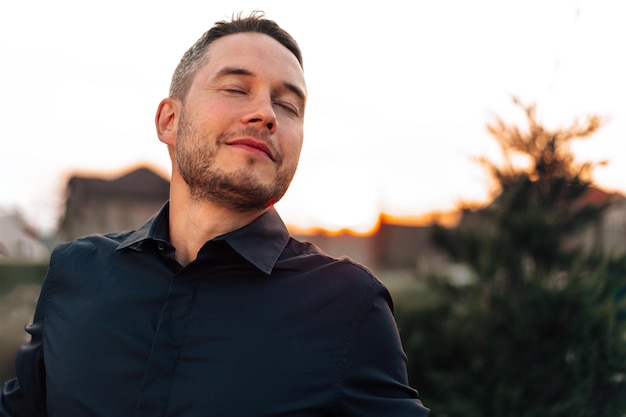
(166, 120)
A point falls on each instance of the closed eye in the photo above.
(288, 107)
(231, 90)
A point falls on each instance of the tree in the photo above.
(537, 332)
(537, 207)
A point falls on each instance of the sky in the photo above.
(399, 94)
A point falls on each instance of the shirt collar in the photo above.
(260, 242)
(157, 228)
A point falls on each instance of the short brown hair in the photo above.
(197, 55)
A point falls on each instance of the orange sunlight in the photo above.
(446, 219)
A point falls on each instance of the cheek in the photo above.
(214, 114)
(293, 145)
(293, 134)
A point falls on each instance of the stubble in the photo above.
(239, 190)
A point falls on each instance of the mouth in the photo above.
(253, 146)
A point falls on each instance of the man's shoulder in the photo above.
(307, 256)
(91, 244)
(329, 277)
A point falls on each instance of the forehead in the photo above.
(256, 52)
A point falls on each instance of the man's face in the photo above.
(240, 128)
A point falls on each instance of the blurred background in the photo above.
(441, 150)
(399, 94)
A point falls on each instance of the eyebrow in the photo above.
(226, 71)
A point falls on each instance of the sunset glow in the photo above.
(394, 118)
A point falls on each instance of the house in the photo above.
(98, 205)
(18, 241)
(399, 252)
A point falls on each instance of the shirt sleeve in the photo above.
(375, 381)
(25, 395)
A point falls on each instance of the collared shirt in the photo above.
(260, 324)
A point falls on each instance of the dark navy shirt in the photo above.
(259, 324)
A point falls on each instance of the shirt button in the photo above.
(161, 246)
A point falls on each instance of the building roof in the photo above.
(140, 183)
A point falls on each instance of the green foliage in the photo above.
(544, 351)
(538, 332)
(14, 274)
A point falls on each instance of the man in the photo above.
(211, 308)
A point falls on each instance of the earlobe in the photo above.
(166, 120)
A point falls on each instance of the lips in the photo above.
(253, 145)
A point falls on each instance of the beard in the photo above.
(239, 190)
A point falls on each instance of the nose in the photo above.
(261, 114)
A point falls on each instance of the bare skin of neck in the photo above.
(193, 223)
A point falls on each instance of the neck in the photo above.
(193, 223)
